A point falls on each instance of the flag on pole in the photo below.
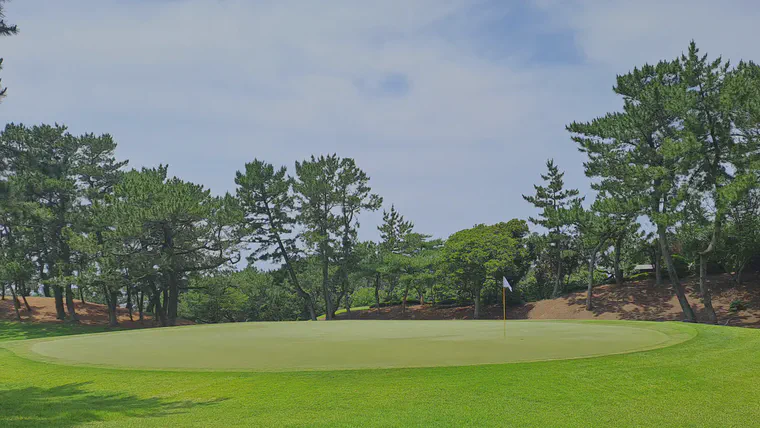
(506, 285)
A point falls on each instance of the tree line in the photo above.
(674, 175)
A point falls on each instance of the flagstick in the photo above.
(504, 306)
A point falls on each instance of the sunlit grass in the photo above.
(711, 380)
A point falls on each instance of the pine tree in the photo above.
(636, 150)
(5, 30)
(315, 188)
(269, 208)
(552, 199)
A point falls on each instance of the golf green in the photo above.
(294, 346)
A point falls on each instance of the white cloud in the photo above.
(207, 85)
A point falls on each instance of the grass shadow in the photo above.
(14, 330)
(72, 404)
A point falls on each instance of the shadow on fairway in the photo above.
(14, 330)
(71, 405)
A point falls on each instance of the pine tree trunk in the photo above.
(476, 315)
(558, 283)
(129, 304)
(140, 302)
(70, 304)
(618, 270)
(159, 313)
(377, 292)
(45, 290)
(703, 287)
(657, 268)
(81, 295)
(16, 303)
(2, 292)
(111, 304)
(706, 297)
(403, 303)
(24, 293)
(688, 312)
(739, 272)
(326, 288)
(59, 309)
(590, 291)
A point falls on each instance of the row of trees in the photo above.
(77, 225)
(675, 177)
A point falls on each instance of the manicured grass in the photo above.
(710, 380)
(289, 346)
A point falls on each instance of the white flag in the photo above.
(506, 284)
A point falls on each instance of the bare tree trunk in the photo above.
(111, 304)
(403, 302)
(159, 311)
(312, 311)
(618, 251)
(706, 297)
(70, 304)
(377, 292)
(591, 267)
(329, 311)
(703, 288)
(688, 312)
(16, 303)
(24, 293)
(347, 304)
(657, 267)
(2, 292)
(476, 315)
(140, 302)
(558, 283)
(129, 303)
(739, 272)
(81, 295)
(165, 303)
(59, 309)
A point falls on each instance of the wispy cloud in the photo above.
(451, 106)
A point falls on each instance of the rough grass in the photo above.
(711, 380)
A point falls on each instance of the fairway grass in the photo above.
(713, 379)
(292, 346)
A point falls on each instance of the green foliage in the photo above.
(363, 296)
(479, 257)
(247, 295)
(737, 305)
(5, 30)
(682, 265)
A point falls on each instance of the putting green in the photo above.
(292, 346)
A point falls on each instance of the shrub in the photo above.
(363, 297)
(737, 305)
(681, 264)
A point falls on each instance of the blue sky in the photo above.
(451, 106)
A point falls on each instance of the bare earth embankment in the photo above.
(637, 300)
(43, 311)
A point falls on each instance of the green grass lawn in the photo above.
(712, 379)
